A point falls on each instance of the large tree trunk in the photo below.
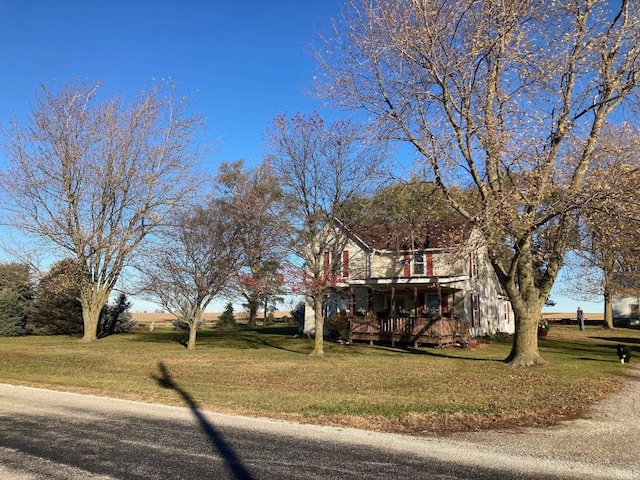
(608, 311)
(318, 344)
(527, 300)
(92, 302)
(524, 351)
(193, 330)
(608, 282)
(90, 318)
(253, 313)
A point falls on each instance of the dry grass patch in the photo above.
(265, 372)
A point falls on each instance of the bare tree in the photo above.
(253, 196)
(605, 257)
(321, 168)
(95, 177)
(508, 98)
(193, 263)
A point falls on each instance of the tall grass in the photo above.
(266, 372)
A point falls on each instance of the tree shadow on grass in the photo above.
(603, 360)
(233, 462)
(278, 330)
(597, 352)
(634, 340)
(240, 337)
(437, 352)
(262, 342)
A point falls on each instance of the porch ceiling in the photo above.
(409, 281)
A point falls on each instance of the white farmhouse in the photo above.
(420, 284)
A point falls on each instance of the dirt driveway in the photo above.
(609, 436)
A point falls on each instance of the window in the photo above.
(473, 265)
(345, 264)
(337, 265)
(400, 305)
(418, 263)
(422, 263)
(507, 313)
(475, 310)
(431, 305)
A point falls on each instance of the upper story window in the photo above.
(345, 263)
(418, 263)
(473, 265)
(422, 263)
(337, 264)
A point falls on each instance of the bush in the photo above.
(182, 324)
(116, 318)
(179, 324)
(271, 318)
(227, 319)
(338, 326)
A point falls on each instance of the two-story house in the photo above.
(428, 283)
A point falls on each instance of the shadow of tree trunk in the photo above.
(233, 462)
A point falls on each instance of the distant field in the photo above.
(587, 316)
(166, 319)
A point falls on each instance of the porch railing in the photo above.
(411, 330)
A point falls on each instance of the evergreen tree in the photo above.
(116, 318)
(16, 294)
(56, 309)
(227, 319)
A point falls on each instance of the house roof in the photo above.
(405, 236)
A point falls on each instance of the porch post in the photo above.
(393, 302)
(352, 311)
(415, 300)
(452, 307)
(439, 300)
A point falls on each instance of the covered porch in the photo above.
(397, 312)
(413, 331)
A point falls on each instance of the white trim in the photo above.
(407, 280)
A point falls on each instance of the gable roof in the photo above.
(424, 236)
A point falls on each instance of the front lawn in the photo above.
(266, 372)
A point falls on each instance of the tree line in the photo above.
(50, 305)
(522, 117)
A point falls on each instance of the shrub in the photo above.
(271, 318)
(116, 318)
(227, 319)
(182, 324)
(338, 326)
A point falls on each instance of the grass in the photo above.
(265, 372)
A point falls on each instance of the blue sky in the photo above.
(248, 59)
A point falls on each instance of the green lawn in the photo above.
(265, 372)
